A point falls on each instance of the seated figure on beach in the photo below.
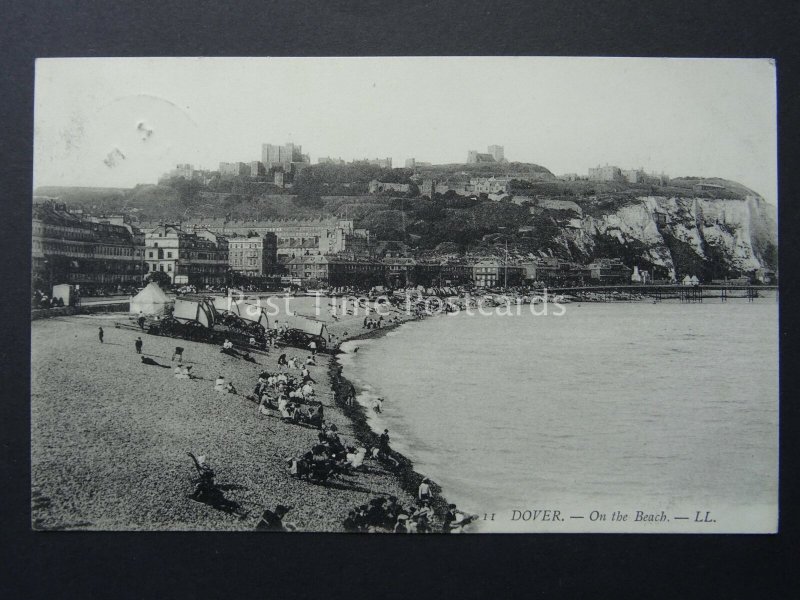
(355, 457)
(283, 403)
(350, 523)
(266, 402)
(273, 521)
(401, 524)
(455, 520)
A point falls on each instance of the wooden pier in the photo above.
(685, 294)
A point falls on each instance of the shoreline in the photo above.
(408, 478)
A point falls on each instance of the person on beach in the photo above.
(219, 384)
(273, 521)
(355, 457)
(205, 483)
(283, 407)
(449, 518)
(100, 334)
(313, 347)
(138, 345)
(377, 406)
(400, 526)
(179, 353)
(350, 395)
(311, 362)
(307, 376)
(141, 320)
(350, 524)
(384, 442)
(282, 361)
(424, 492)
(421, 517)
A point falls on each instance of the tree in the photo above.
(159, 277)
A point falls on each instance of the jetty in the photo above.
(683, 293)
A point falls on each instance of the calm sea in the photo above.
(666, 409)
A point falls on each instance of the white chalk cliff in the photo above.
(740, 233)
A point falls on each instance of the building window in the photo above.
(160, 267)
(169, 267)
(169, 254)
(150, 255)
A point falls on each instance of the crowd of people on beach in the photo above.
(289, 394)
(389, 515)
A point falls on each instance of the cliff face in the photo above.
(681, 233)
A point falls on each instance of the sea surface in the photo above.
(666, 413)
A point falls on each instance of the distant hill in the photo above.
(72, 195)
(608, 218)
(486, 170)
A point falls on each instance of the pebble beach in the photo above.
(110, 435)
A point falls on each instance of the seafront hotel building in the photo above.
(88, 252)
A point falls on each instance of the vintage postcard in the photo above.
(405, 295)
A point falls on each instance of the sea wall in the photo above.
(65, 311)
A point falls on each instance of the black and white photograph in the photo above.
(417, 295)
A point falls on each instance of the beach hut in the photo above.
(150, 301)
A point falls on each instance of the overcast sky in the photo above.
(119, 122)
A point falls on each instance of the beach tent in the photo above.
(150, 301)
(66, 292)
